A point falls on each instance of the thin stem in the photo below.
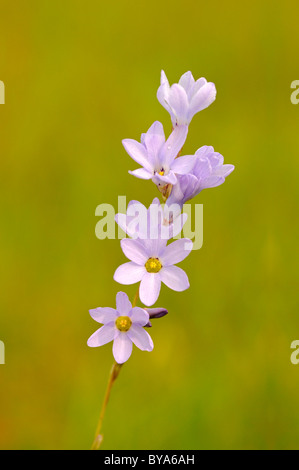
(113, 376)
(135, 298)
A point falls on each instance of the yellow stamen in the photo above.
(153, 265)
(161, 173)
(123, 323)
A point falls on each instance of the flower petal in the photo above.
(154, 140)
(133, 202)
(140, 338)
(103, 315)
(155, 246)
(129, 273)
(170, 178)
(178, 101)
(183, 165)
(224, 170)
(122, 348)
(211, 182)
(216, 159)
(163, 79)
(202, 168)
(163, 92)
(134, 250)
(122, 220)
(198, 84)
(103, 335)
(176, 251)
(174, 278)
(150, 288)
(155, 202)
(205, 151)
(184, 190)
(141, 173)
(123, 305)
(187, 82)
(138, 152)
(173, 145)
(202, 99)
(178, 224)
(139, 316)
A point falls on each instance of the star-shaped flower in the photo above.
(158, 157)
(186, 98)
(123, 326)
(152, 262)
(158, 220)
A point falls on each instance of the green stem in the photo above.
(113, 376)
(135, 298)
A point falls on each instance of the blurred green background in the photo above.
(80, 77)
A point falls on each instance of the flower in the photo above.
(157, 156)
(208, 172)
(186, 98)
(123, 326)
(152, 262)
(157, 221)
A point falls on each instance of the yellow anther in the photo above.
(123, 323)
(153, 265)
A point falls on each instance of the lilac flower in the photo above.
(152, 262)
(157, 156)
(208, 172)
(186, 98)
(123, 326)
(158, 221)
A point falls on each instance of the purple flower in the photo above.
(186, 98)
(158, 221)
(123, 326)
(158, 157)
(208, 172)
(152, 262)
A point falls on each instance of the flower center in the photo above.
(123, 323)
(153, 265)
(161, 172)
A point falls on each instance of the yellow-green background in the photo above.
(80, 77)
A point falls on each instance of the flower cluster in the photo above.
(179, 178)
